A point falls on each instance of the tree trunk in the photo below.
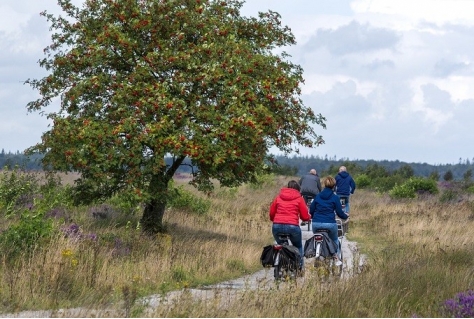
(152, 219)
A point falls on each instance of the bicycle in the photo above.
(309, 199)
(284, 267)
(325, 262)
(344, 200)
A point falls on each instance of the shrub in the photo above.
(262, 181)
(402, 191)
(470, 189)
(182, 199)
(384, 184)
(448, 195)
(420, 184)
(362, 181)
(16, 188)
(414, 185)
(23, 236)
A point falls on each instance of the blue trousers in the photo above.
(295, 236)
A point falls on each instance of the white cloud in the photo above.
(438, 11)
(394, 77)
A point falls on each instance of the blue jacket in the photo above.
(324, 205)
(345, 184)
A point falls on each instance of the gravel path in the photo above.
(262, 279)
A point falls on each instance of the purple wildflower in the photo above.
(57, 213)
(91, 236)
(72, 230)
(462, 306)
(120, 248)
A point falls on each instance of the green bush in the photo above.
(470, 189)
(402, 191)
(262, 181)
(448, 195)
(420, 184)
(362, 181)
(22, 236)
(17, 187)
(386, 183)
(182, 199)
(412, 186)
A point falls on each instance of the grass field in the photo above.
(420, 253)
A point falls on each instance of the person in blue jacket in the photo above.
(323, 211)
(345, 186)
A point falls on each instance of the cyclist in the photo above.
(345, 185)
(310, 186)
(285, 212)
(323, 211)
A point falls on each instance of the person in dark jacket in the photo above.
(345, 186)
(285, 213)
(324, 208)
(310, 186)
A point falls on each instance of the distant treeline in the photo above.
(303, 164)
(295, 165)
(11, 160)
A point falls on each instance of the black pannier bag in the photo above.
(328, 247)
(290, 256)
(268, 256)
(310, 248)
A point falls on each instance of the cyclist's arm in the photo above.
(303, 210)
(312, 208)
(273, 209)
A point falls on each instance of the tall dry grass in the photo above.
(420, 253)
(95, 262)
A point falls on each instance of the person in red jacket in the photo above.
(285, 213)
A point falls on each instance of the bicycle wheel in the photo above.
(277, 272)
(339, 268)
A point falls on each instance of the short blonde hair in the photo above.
(329, 182)
(342, 169)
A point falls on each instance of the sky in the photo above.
(393, 78)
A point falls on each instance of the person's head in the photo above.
(342, 169)
(294, 185)
(329, 182)
(312, 171)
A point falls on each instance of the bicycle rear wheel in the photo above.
(277, 272)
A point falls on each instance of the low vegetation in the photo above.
(54, 255)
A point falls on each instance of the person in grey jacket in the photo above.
(310, 186)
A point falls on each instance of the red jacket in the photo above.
(288, 207)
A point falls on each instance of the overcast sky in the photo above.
(394, 78)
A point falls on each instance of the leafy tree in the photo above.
(467, 175)
(405, 171)
(139, 80)
(448, 176)
(285, 170)
(434, 175)
(376, 171)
